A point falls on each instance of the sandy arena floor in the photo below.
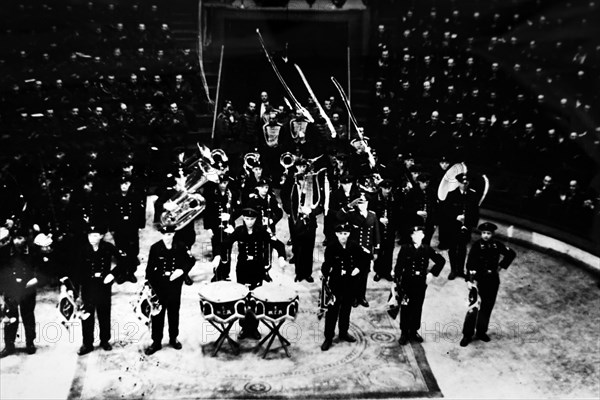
(544, 330)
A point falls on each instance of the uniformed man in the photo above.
(265, 203)
(255, 245)
(365, 231)
(386, 206)
(302, 217)
(221, 212)
(460, 215)
(169, 261)
(127, 216)
(486, 257)
(271, 145)
(18, 283)
(339, 198)
(340, 270)
(93, 276)
(420, 203)
(412, 274)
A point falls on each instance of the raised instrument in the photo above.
(449, 182)
(287, 160)
(321, 110)
(187, 203)
(287, 89)
(478, 182)
(250, 158)
(354, 121)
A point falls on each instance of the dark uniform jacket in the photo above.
(218, 203)
(267, 207)
(484, 259)
(365, 230)
(387, 207)
(254, 251)
(338, 265)
(412, 265)
(15, 271)
(421, 200)
(128, 209)
(92, 268)
(162, 262)
(457, 203)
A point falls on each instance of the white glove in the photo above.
(176, 274)
(282, 262)
(355, 272)
(109, 279)
(383, 220)
(422, 214)
(32, 282)
(225, 216)
(229, 230)
(215, 262)
(429, 278)
(460, 218)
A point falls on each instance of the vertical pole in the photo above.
(217, 95)
(349, 91)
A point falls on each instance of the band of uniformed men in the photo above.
(58, 230)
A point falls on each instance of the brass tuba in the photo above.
(187, 204)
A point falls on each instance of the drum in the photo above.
(223, 301)
(274, 302)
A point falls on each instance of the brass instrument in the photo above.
(321, 110)
(44, 242)
(354, 121)
(449, 182)
(219, 154)
(187, 204)
(147, 305)
(248, 157)
(307, 187)
(287, 161)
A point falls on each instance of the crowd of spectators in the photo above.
(508, 88)
(94, 75)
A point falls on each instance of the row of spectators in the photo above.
(505, 89)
